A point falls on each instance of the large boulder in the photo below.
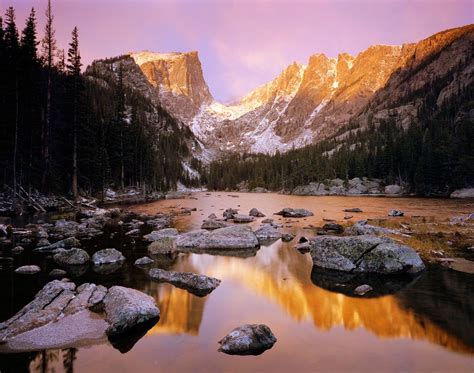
(362, 227)
(164, 245)
(463, 193)
(249, 339)
(107, 256)
(294, 213)
(369, 254)
(71, 257)
(393, 189)
(199, 285)
(232, 237)
(126, 309)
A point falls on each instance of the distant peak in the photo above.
(148, 56)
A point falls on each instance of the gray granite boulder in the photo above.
(126, 309)
(232, 237)
(267, 232)
(294, 213)
(143, 261)
(107, 256)
(369, 254)
(212, 224)
(249, 339)
(159, 234)
(199, 285)
(256, 213)
(69, 257)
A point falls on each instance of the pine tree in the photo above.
(74, 71)
(49, 47)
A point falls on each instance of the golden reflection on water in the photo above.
(282, 275)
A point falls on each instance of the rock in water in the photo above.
(143, 261)
(71, 257)
(239, 218)
(28, 270)
(107, 256)
(294, 213)
(199, 285)
(229, 213)
(369, 254)
(164, 245)
(67, 243)
(395, 213)
(212, 224)
(334, 227)
(256, 213)
(127, 309)
(287, 237)
(362, 289)
(267, 232)
(463, 193)
(57, 273)
(354, 209)
(228, 238)
(249, 339)
(162, 233)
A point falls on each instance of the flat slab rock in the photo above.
(228, 238)
(365, 253)
(199, 285)
(249, 339)
(107, 256)
(62, 315)
(294, 213)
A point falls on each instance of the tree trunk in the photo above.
(15, 144)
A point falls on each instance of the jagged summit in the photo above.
(307, 103)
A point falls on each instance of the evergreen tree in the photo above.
(74, 71)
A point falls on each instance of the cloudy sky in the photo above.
(244, 43)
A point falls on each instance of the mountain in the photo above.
(309, 103)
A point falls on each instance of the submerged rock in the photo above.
(107, 256)
(143, 261)
(364, 254)
(287, 237)
(294, 213)
(354, 209)
(362, 227)
(71, 257)
(249, 339)
(347, 282)
(199, 285)
(395, 213)
(228, 238)
(333, 227)
(126, 309)
(57, 273)
(18, 250)
(28, 270)
(66, 243)
(256, 213)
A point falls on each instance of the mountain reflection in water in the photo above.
(283, 275)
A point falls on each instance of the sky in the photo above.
(244, 43)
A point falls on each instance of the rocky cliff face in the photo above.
(308, 103)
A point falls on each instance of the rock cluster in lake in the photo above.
(355, 186)
(63, 315)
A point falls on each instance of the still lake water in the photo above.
(427, 326)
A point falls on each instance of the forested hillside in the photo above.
(431, 157)
(62, 131)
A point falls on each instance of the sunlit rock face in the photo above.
(178, 80)
(308, 103)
